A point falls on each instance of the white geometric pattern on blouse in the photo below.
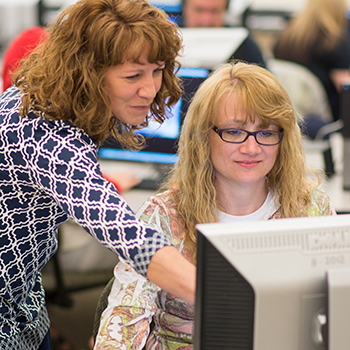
(49, 173)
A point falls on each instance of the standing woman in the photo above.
(107, 68)
(317, 38)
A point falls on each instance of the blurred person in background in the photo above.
(317, 38)
(20, 48)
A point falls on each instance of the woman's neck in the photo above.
(242, 199)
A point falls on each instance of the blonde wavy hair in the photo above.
(260, 94)
(64, 78)
(321, 21)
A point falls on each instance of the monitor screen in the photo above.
(161, 140)
(172, 7)
(272, 285)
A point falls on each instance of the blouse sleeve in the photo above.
(64, 166)
(320, 204)
(125, 323)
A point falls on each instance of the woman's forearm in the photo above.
(172, 272)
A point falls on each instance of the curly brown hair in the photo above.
(64, 77)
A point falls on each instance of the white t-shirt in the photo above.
(263, 213)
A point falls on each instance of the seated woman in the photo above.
(318, 39)
(240, 158)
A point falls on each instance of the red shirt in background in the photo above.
(20, 48)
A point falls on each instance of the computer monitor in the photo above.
(161, 140)
(210, 47)
(173, 8)
(274, 285)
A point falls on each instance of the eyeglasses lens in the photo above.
(264, 137)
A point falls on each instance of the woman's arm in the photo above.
(64, 167)
(131, 303)
(170, 271)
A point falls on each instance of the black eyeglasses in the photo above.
(262, 137)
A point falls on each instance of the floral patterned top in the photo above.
(134, 301)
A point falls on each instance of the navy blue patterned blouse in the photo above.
(49, 173)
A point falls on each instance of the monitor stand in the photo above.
(329, 330)
(338, 309)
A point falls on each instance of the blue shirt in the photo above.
(49, 173)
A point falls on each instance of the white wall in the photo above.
(15, 16)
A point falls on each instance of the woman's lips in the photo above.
(142, 108)
(248, 164)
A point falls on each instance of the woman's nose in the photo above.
(149, 88)
(250, 145)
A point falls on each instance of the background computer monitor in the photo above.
(273, 285)
(173, 8)
(161, 140)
